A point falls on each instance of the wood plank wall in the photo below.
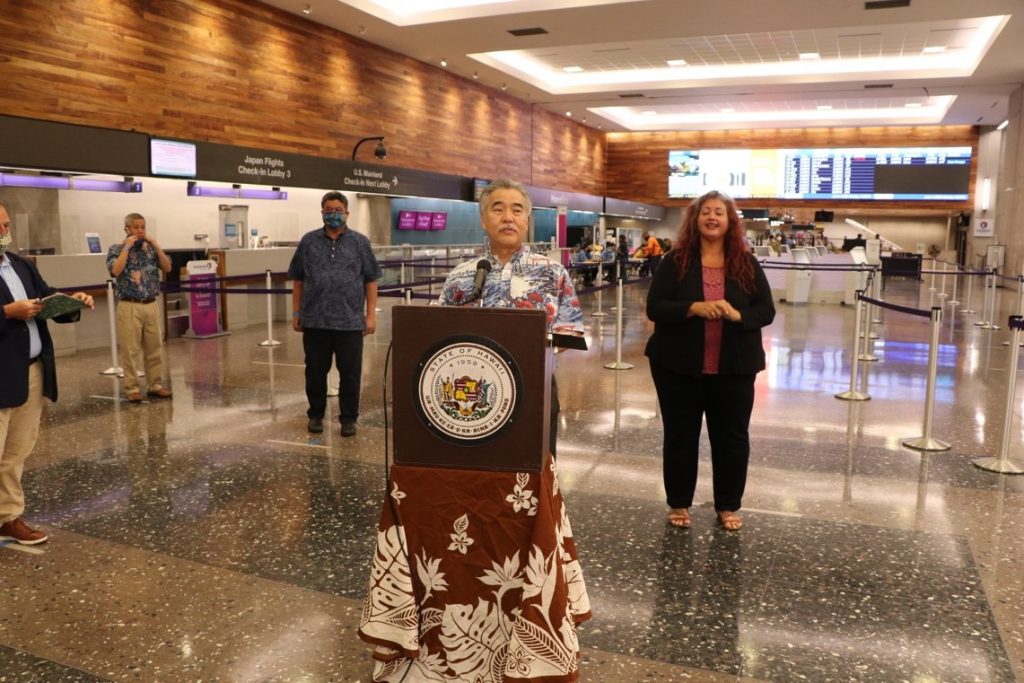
(242, 73)
(638, 162)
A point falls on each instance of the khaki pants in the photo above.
(19, 429)
(138, 329)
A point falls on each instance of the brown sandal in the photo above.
(729, 520)
(679, 517)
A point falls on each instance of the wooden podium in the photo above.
(471, 387)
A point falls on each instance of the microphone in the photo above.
(483, 266)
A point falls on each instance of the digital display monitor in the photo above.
(406, 220)
(172, 158)
(893, 173)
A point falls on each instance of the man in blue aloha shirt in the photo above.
(518, 278)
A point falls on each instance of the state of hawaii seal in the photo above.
(468, 389)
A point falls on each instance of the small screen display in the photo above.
(172, 158)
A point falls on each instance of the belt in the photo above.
(138, 301)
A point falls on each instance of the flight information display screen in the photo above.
(897, 173)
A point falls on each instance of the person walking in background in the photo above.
(518, 278)
(28, 373)
(708, 300)
(136, 264)
(334, 300)
(652, 248)
(622, 258)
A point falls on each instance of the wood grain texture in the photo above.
(638, 162)
(242, 73)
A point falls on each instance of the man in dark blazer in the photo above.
(28, 374)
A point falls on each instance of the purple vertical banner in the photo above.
(202, 308)
(423, 219)
(439, 220)
(406, 220)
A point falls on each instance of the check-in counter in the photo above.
(79, 271)
(241, 310)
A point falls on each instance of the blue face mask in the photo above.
(334, 220)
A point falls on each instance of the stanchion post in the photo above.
(931, 287)
(926, 442)
(618, 364)
(956, 276)
(114, 368)
(865, 354)
(1002, 463)
(270, 341)
(876, 288)
(852, 394)
(408, 295)
(945, 268)
(970, 293)
(1020, 300)
(599, 313)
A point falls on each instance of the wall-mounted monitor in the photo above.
(882, 173)
(824, 216)
(754, 214)
(406, 220)
(172, 158)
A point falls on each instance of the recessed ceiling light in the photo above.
(931, 49)
(476, 75)
(307, 10)
(1004, 124)
(676, 62)
(504, 86)
(810, 55)
(572, 69)
(444, 62)
(568, 113)
(824, 107)
(912, 105)
(650, 112)
(727, 110)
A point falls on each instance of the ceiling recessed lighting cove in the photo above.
(573, 69)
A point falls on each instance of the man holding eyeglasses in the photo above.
(334, 297)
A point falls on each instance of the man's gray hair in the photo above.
(133, 217)
(504, 184)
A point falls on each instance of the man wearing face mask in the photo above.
(136, 264)
(334, 297)
(27, 374)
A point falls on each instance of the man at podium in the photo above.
(511, 276)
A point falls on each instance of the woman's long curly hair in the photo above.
(686, 250)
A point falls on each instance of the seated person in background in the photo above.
(641, 255)
(586, 271)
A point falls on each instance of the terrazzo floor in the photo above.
(211, 538)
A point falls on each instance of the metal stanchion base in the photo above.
(983, 324)
(994, 464)
(270, 342)
(119, 371)
(619, 366)
(1021, 345)
(926, 444)
(866, 356)
(853, 396)
(873, 335)
(968, 311)
(943, 295)
(598, 314)
(953, 302)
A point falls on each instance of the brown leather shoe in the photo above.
(160, 392)
(16, 530)
(135, 396)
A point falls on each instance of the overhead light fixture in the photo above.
(912, 105)
(234, 192)
(810, 55)
(572, 69)
(476, 75)
(568, 113)
(986, 188)
(727, 110)
(933, 49)
(307, 9)
(824, 107)
(380, 151)
(1004, 124)
(676, 62)
(60, 182)
(444, 62)
(504, 86)
(650, 112)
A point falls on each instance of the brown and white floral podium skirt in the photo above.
(475, 578)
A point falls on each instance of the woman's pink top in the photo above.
(714, 289)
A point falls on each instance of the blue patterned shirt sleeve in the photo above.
(528, 280)
(140, 278)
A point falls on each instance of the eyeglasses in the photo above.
(327, 212)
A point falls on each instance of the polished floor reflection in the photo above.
(212, 538)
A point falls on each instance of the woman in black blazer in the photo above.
(708, 300)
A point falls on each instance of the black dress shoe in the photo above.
(316, 425)
(348, 428)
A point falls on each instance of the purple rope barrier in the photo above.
(924, 313)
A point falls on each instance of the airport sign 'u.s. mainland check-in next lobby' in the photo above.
(491, 493)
